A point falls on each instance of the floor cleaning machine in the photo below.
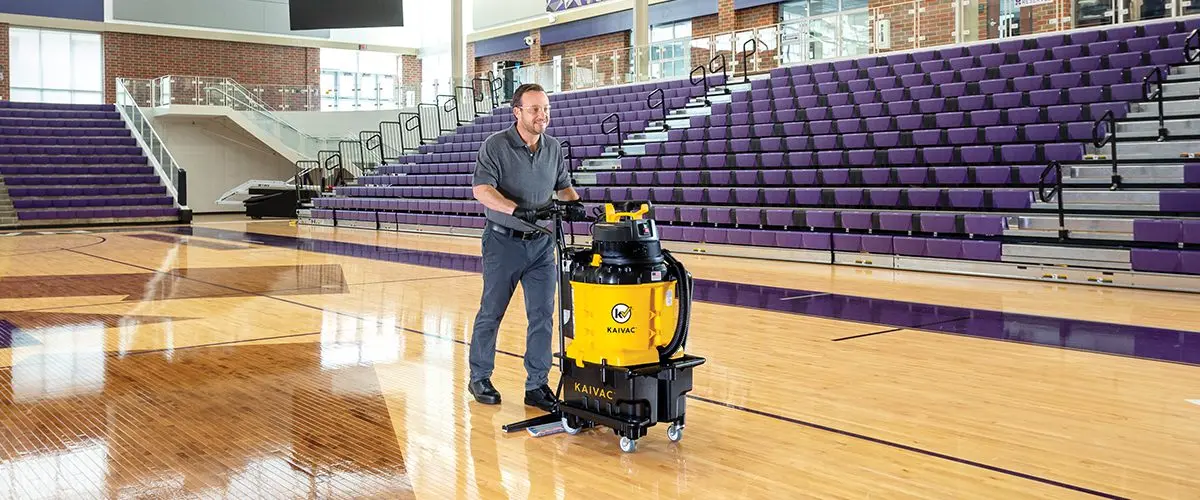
(625, 304)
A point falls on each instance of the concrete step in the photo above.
(646, 137)
(1130, 174)
(1078, 256)
(1184, 73)
(674, 123)
(1150, 150)
(1046, 226)
(689, 112)
(630, 149)
(1148, 129)
(1148, 109)
(1180, 89)
(1103, 200)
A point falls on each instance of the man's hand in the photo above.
(574, 211)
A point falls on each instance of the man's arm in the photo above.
(492, 199)
(486, 178)
(568, 194)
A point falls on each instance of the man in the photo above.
(517, 171)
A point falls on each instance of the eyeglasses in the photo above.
(537, 109)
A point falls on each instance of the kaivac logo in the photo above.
(621, 313)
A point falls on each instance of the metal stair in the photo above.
(1104, 200)
(8, 214)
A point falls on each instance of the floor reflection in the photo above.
(199, 422)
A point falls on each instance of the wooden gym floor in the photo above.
(246, 360)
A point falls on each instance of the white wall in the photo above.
(489, 13)
(339, 123)
(218, 156)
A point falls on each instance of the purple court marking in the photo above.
(1159, 344)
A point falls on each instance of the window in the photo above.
(823, 29)
(56, 66)
(359, 80)
(670, 53)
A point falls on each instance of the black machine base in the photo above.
(628, 400)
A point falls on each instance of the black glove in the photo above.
(526, 214)
(574, 211)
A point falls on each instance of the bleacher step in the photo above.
(1143, 110)
(646, 137)
(1130, 174)
(1150, 150)
(1184, 73)
(1148, 128)
(1180, 89)
(1046, 226)
(1111, 258)
(1088, 199)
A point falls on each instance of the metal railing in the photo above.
(819, 37)
(1100, 139)
(271, 123)
(172, 174)
(1157, 95)
(1055, 192)
(189, 89)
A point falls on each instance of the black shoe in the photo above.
(484, 392)
(542, 397)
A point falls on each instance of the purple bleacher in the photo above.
(76, 164)
(914, 154)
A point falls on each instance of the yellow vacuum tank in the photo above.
(626, 311)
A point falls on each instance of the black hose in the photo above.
(684, 285)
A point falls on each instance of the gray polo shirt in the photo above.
(529, 179)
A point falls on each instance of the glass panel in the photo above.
(87, 97)
(25, 56)
(818, 7)
(823, 42)
(793, 10)
(855, 36)
(56, 60)
(1087, 13)
(87, 63)
(56, 96)
(26, 95)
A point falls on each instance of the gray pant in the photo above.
(508, 260)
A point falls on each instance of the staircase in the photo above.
(8, 215)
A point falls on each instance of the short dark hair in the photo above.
(526, 87)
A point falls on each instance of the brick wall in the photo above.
(128, 55)
(484, 64)
(903, 23)
(726, 18)
(4, 72)
(592, 58)
(936, 23)
(410, 76)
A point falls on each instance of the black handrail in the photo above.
(746, 57)
(703, 69)
(566, 146)
(662, 104)
(1109, 139)
(1056, 191)
(437, 116)
(449, 106)
(302, 195)
(406, 126)
(617, 129)
(724, 70)
(364, 139)
(1187, 47)
(1158, 96)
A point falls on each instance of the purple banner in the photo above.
(561, 5)
(87, 10)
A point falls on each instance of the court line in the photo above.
(1161, 343)
(808, 296)
(913, 449)
(859, 336)
(893, 330)
(731, 405)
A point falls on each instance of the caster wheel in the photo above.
(675, 432)
(628, 445)
(566, 423)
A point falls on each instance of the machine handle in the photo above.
(684, 284)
